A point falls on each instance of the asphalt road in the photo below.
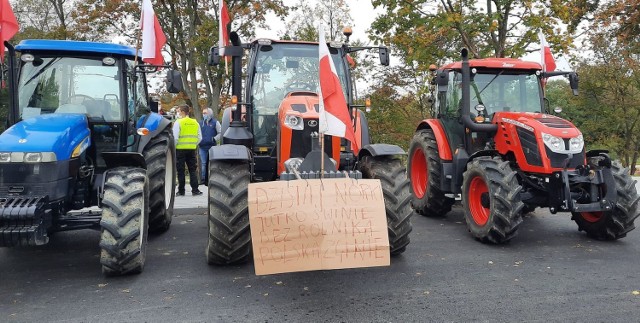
(549, 272)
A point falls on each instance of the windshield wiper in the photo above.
(44, 68)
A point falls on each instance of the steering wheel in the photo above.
(299, 85)
(79, 99)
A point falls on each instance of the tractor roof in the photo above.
(277, 41)
(74, 46)
(496, 63)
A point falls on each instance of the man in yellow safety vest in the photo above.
(187, 134)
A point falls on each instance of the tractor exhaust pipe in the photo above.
(466, 99)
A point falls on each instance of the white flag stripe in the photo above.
(148, 32)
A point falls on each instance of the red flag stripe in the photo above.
(224, 21)
(8, 24)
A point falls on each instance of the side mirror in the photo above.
(174, 81)
(442, 80)
(384, 56)
(153, 105)
(214, 56)
(573, 82)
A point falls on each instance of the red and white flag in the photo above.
(8, 24)
(548, 62)
(153, 38)
(334, 113)
(223, 37)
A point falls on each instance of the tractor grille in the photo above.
(301, 140)
(555, 123)
(529, 146)
(557, 160)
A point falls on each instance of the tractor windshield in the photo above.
(499, 91)
(282, 68)
(70, 85)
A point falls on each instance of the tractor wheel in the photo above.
(424, 169)
(395, 189)
(161, 165)
(229, 234)
(125, 216)
(491, 200)
(617, 223)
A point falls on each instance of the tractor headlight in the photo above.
(576, 144)
(292, 164)
(556, 144)
(32, 157)
(39, 157)
(5, 157)
(294, 122)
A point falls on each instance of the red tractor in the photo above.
(273, 135)
(508, 155)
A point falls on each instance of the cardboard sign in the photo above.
(317, 224)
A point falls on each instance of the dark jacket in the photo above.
(209, 133)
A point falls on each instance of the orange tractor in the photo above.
(273, 135)
(507, 155)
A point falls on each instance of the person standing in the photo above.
(187, 134)
(211, 129)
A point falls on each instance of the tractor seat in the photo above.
(98, 109)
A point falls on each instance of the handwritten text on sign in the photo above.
(317, 224)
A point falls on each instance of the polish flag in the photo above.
(224, 21)
(548, 62)
(334, 113)
(8, 24)
(153, 38)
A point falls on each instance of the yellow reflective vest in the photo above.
(188, 138)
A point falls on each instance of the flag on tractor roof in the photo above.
(334, 113)
(153, 38)
(548, 62)
(223, 37)
(8, 24)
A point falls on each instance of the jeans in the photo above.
(187, 156)
(204, 164)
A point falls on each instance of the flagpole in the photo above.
(322, 155)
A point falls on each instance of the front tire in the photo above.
(125, 218)
(160, 156)
(425, 168)
(229, 234)
(397, 196)
(617, 223)
(491, 200)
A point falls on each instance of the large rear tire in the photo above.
(229, 234)
(617, 223)
(491, 200)
(125, 218)
(160, 156)
(395, 189)
(424, 170)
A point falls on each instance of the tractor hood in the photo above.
(539, 122)
(301, 104)
(57, 133)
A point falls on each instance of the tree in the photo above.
(303, 22)
(427, 32)
(50, 20)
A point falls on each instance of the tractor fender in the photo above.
(124, 158)
(229, 152)
(380, 150)
(488, 152)
(441, 137)
(364, 129)
(155, 123)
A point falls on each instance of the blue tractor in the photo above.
(84, 150)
